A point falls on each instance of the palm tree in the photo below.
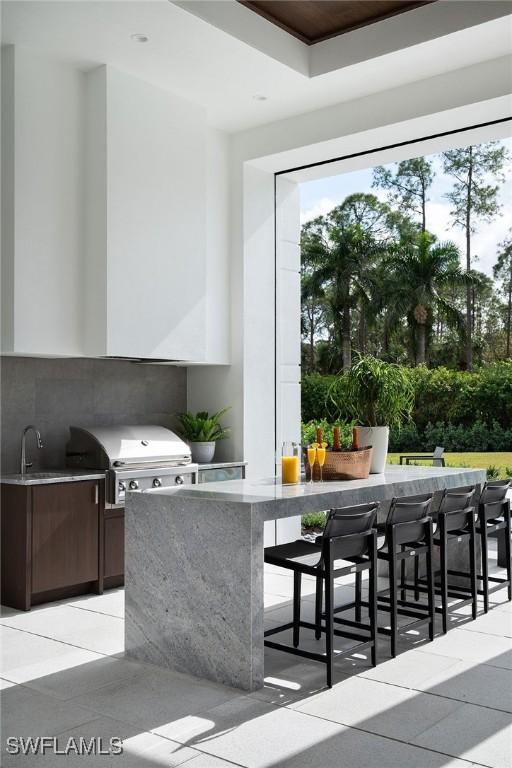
(342, 278)
(312, 294)
(343, 247)
(421, 268)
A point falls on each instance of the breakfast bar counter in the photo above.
(194, 563)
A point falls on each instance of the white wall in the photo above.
(95, 214)
(288, 336)
(44, 117)
(7, 228)
(475, 94)
(115, 212)
(162, 262)
(218, 279)
(156, 219)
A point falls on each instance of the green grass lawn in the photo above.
(501, 461)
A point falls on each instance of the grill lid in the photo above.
(107, 447)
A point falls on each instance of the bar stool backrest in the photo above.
(456, 502)
(493, 497)
(347, 529)
(407, 517)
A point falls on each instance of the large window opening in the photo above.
(403, 254)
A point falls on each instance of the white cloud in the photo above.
(484, 243)
(320, 208)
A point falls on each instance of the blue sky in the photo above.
(319, 197)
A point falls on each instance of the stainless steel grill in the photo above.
(133, 457)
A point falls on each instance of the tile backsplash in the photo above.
(52, 394)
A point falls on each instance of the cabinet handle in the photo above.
(96, 494)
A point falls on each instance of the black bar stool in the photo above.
(455, 521)
(348, 536)
(493, 516)
(408, 534)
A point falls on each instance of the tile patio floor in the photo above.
(441, 704)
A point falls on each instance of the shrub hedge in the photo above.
(477, 437)
(461, 411)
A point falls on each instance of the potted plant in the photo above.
(201, 431)
(379, 395)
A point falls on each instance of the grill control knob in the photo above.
(122, 486)
(133, 485)
(157, 482)
(179, 480)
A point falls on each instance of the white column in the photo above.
(287, 329)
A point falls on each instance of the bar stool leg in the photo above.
(508, 553)
(392, 595)
(403, 594)
(318, 607)
(329, 623)
(485, 562)
(297, 580)
(372, 599)
(416, 578)
(472, 567)
(359, 579)
(444, 574)
(430, 578)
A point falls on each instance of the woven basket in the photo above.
(342, 465)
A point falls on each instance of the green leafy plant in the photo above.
(376, 393)
(313, 520)
(493, 472)
(202, 427)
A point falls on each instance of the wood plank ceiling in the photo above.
(315, 20)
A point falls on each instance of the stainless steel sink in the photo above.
(27, 477)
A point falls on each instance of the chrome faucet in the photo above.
(24, 464)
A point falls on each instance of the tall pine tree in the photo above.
(407, 186)
(477, 172)
(503, 271)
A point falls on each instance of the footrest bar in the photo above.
(276, 630)
(296, 651)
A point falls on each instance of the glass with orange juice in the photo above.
(312, 449)
(320, 457)
(290, 464)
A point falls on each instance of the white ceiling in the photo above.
(210, 67)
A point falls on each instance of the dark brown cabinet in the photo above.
(65, 531)
(60, 540)
(51, 541)
(113, 548)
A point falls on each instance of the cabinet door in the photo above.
(65, 527)
(113, 544)
(216, 475)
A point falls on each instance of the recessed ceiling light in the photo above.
(138, 38)
(259, 97)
